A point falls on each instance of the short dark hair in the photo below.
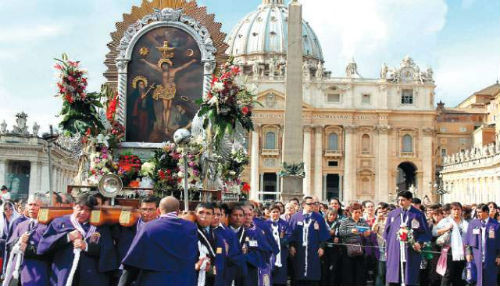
(150, 199)
(494, 204)
(355, 206)
(207, 206)
(86, 200)
(405, 194)
(456, 205)
(275, 206)
(307, 198)
(236, 208)
(383, 205)
(416, 201)
(366, 202)
(4, 188)
(484, 208)
(295, 199)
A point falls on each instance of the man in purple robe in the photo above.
(307, 232)
(213, 249)
(164, 251)
(258, 252)
(483, 246)
(34, 269)
(67, 235)
(406, 216)
(235, 258)
(124, 235)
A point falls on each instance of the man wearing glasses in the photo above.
(307, 232)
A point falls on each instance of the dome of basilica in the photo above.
(263, 34)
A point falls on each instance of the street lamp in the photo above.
(50, 138)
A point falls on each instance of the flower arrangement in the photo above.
(228, 102)
(405, 234)
(101, 163)
(165, 172)
(80, 109)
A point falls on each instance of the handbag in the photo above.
(354, 250)
(443, 260)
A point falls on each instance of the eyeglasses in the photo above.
(309, 204)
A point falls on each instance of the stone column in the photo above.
(33, 187)
(254, 165)
(341, 187)
(318, 162)
(427, 163)
(349, 164)
(293, 128)
(307, 160)
(3, 171)
(382, 175)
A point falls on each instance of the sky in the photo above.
(459, 39)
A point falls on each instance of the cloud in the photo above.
(461, 72)
(30, 33)
(374, 31)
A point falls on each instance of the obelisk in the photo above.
(293, 129)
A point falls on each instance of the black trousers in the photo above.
(331, 266)
(453, 275)
(306, 283)
(354, 270)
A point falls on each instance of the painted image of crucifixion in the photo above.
(168, 63)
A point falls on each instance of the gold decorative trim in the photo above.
(147, 7)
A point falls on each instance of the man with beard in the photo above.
(34, 269)
(69, 235)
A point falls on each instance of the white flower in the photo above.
(213, 100)
(147, 168)
(219, 86)
(251, 88)
(180, 174)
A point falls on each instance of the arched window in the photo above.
(365, 144)
(333, 142)
(270, 140)
(407, 143)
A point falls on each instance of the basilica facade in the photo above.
(364, 138)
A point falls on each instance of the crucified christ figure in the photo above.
(166, 91)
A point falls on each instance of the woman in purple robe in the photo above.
(483, 246)
(69, 234)
(405, 216)
(279, 260)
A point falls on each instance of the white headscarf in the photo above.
(3, 220)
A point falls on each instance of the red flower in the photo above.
(214, 80)
(69, 99)
(245, 188)
(235, 70)
(404, 236)
(58, 66)
(226, 75)
(245, 110)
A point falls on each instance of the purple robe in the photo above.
(8, 233)
(279, 274)
(307, 266)
(95, 262)
(487, 270)
(165, 250)
(417, 222)
(235, 262)
(218, 254)
(258, 255)
(34, 269)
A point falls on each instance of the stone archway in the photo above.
(407, 176)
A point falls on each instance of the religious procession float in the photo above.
(172, 118)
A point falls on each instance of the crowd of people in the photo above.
(249, 244)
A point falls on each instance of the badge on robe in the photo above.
(475, 231)
(415, 223)
(253, 243)
(219, 250)
(316, 226)
(491, 233)
(300, 223)
(94, 238)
